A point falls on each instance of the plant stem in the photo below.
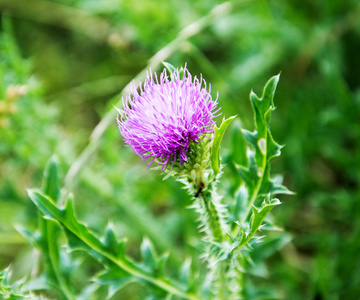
(206, 206)
(214, 219)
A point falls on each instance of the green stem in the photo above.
(222, 281)
(214, 219)
(206, 195)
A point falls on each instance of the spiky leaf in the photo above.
(218, 135)
(84, 239)
(245, 236)
(51, 180)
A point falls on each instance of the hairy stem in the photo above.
(207, 205)
(214, 218)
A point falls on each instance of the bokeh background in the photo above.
(63, 64)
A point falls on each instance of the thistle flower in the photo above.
(164, 115)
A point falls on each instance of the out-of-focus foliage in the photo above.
(61, 61)
(8, 290)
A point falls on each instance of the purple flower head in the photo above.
(162, 117)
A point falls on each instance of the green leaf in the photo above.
(186, 277)
(11, 291)
(115, 278)
(259, 214)
(58, 267)
(75, 243)
(150, 259)
(251, 137)
(88, 292)
(259, 115)
(57, 263)
(65, 217)
(241, 238)
(169, 67)
(51, 181)
(274, 187)
(268, 94)
(34, 238)
(249, 175)
(244, 236)
(39, 283)
(85, 240)
(149, 255)
(261, 139)
(272, 148)
(110, 241)
(264, 105)
(122, 248)
(279, 189)
(45, 204)
(215, 150)
(161, 263)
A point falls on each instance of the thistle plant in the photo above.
(169, 120)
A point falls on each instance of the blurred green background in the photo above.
(63, 64)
